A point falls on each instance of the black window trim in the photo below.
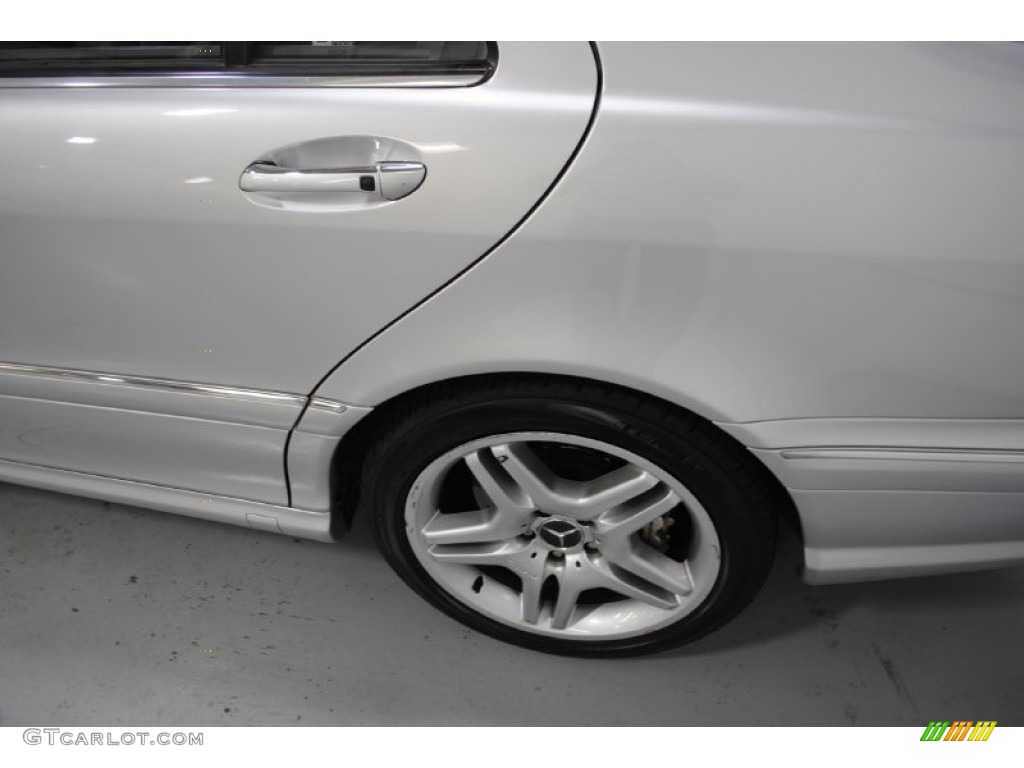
(238, 69)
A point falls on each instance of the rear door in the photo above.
(193, 234)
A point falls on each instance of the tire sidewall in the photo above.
(424, 439)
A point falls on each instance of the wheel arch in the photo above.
(348, 460)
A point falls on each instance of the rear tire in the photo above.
(568, 516)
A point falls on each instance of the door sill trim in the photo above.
(223, 509)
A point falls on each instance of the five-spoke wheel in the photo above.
(551, 547)
(568, 516)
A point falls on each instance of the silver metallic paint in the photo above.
(221, 509)
(828, 264)
(94, 422)
(158, 256)
(834, 241)
(865, 535)
(33, 376)
(129, 249)
(831, 247)
(204, 455)
(848, 469)
(311, 452)
(967, 434)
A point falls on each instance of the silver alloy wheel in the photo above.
(562, 557)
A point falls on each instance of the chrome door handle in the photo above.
(389, 179)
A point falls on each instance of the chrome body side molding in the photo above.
(154, 384)
(211, 438)
(880, 469)
(965, 434)
(326, 405)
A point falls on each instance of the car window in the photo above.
(323, 57)
(342, 51)
(64, 56)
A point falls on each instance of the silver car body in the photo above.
(819, 248)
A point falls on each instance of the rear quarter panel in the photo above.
(815, 246)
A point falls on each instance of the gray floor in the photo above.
(112, 615)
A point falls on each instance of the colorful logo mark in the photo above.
(959, 730)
